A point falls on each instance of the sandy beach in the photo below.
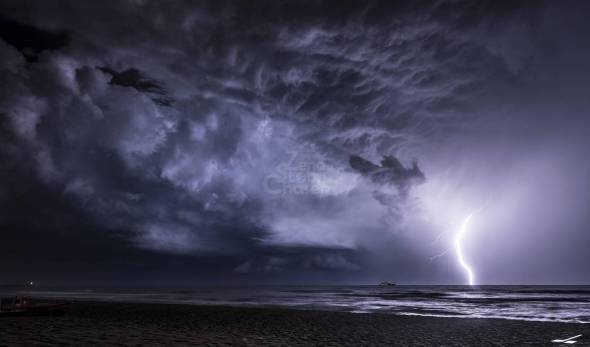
(118, 324)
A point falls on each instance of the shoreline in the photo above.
(108, 323)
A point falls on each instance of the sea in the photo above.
(570, 304)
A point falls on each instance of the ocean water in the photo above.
(534, 303)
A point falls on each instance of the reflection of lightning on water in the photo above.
(458, 240)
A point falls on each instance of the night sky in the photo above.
(328, 142)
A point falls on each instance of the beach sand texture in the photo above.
(117, 324)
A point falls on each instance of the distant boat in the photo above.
(386, 284)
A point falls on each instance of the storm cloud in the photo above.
(245, 134)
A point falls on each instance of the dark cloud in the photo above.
(220, 132)
(29, 40)
(391, 171)
(134, 78)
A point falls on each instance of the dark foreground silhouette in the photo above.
(150, 324)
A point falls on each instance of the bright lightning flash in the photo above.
(458, 241)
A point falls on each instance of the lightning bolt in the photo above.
(458, 249)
